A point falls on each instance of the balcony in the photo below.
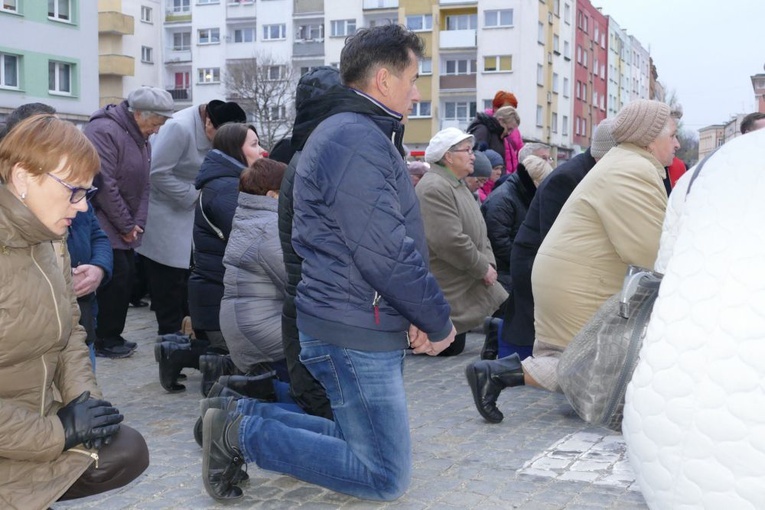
(460, 82)
(116, 65)
(457, 2)
(454, 39)
(241, 10)
(180, 95)
(173, 56)
(177, 13)
(307, 49)
(380, 4)
(115, 23)
(304, 7)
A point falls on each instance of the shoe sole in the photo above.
(473, 383)
(113, 356)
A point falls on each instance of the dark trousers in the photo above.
(113, 300)
(456, 347)
(169, 295)
(87, 317)
(119, 463)
(140, 281)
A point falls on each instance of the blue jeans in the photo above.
(283, 400)
(366, 452)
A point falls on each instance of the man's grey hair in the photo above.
(530, 148)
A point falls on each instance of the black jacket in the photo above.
(218, 182)
(488, 133)
(504, 211)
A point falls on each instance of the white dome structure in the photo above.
(694, 417)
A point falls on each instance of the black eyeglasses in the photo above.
(469, 151)
(78, 193)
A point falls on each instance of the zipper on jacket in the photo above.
(58, 318)
(92, 455)
(376, 307)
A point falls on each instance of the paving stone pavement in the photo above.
(541, 457)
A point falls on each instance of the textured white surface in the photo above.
(694, 418)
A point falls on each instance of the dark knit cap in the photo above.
(220, 113)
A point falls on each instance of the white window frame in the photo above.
(556, 44)
(555, 83)
(566, 50)
(314, 32)
(425, 22)
(207, 75)
(541, 33)
(468, 64)
(242, 32)
(147, 14)
(147, 55)
(497, 66)
(3, 77)
(5, 6)
(425, 66)
(276, 112)
(567, 13)
(540, 75)
(540, 116)
(342, 27)
(492, 18)
(181, 6)
(564, 126)
(469, 107)
(462, 22)
(182, 47)
(211, 34)
(578, 89)
(417, 110)
(554, 122)
(565, 87)
(57, 15)
(207, 2)
(274, 73)
(280, 27)
(57, 86)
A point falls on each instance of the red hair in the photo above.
(503, 98)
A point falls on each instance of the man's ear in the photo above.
(382, 81)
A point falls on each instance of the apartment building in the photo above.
(758, 84)
(55, 64)
(590, 75)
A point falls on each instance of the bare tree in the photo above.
(265, 88)
(689, 143)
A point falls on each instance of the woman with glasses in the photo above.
(460, 254)
(58, 439)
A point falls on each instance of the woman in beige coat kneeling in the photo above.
(58, 439)
(460, 254)
(612, 220)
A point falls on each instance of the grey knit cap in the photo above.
(640, 122)
(481, 165)
(602, 139)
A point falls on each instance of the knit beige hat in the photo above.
(602, 139)
(537, 168)
(640, 122)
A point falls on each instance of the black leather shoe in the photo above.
(172, 358)
(491, 341)
(212, 367)
(222, 459)
(140, 303)
(227, 403)
(260, 387)
(114, 352)
(488, 378)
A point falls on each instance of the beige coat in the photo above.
(460, 252)
(612, 219)
(43, 361)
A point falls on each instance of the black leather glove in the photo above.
(86, 421)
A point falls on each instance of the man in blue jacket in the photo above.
(366, 293)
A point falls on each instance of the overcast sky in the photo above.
(705, 50)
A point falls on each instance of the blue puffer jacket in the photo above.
(88, 244)
(218, 182)
(358, 228)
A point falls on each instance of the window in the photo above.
(146, 14)
(578, 89)
(306, 70)
(567, 17)
(584, 127)
(584, 91)
(555, 83)
(9, 70)
(566, 50)
(578, 54)
(540, 75)
(462, 22)
(426, 66)
(181, 6)
(208, 75)
(274, 32)
(207, 2)
(419, 22)
(276, 112)
(540, 116)
(147, 55)
(595, 67)
(59, 77)
(459, 110)
(595, 97)
(9, 6)
(60, 10)
(541, 33)
(556, 7)
(209, 36)
(313, 32)
(556, 44)
(460, 67)
(421, 109)
(498, 64)
(584, 58)
(275, 73)
(343, 27)
(577, 130)
(244, 35)
(498, 18)
(564, 125)
(554, 122)
(181, 41)
(597, 33)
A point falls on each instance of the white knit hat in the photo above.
(640, 122)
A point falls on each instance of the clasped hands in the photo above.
(90, 422)
(420, 343)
